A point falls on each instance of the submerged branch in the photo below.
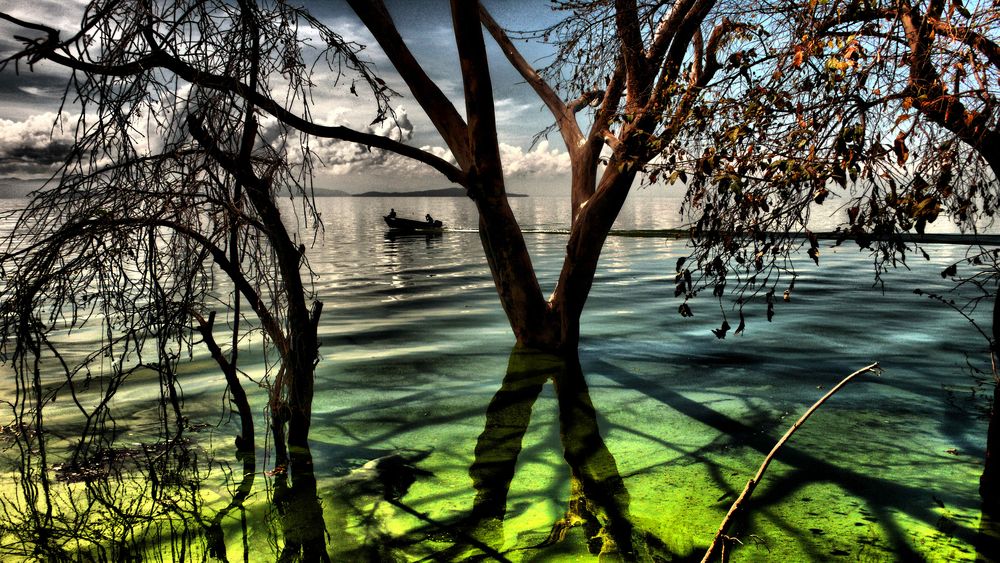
(720, 536)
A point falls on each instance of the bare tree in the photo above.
(168, 210)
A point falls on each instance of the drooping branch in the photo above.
(245, 440)
(219, 257)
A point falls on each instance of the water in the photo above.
(416, 350)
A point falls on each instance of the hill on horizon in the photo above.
(440, 192)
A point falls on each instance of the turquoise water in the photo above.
(417, 359)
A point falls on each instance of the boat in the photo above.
(412, 225)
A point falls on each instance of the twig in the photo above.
(752, 483)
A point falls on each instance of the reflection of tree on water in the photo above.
(598, 503)
(148, 503)
(119, 504)
(300, 512)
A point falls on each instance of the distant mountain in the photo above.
(442, 192)
(327, 192)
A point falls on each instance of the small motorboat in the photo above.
(412, 225)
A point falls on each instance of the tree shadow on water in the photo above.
(597, 517)
(878, 496)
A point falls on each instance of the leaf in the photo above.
(685, 310)
(899, 147)
(687, 280)
(742, 326)
(770, 311)
(814, 254)
(720, 332)
(852, 214)
(950, 271)
(680, 263)
(720, 289)
(820, 195)
(797, 60)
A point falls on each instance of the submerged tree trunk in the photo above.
(598, 500)
(989, 482)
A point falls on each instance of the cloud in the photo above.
(345, 159)
(540, 161)
(36, 145)
(41, 92)
(509, 110)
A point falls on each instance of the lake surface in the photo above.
(418, 360)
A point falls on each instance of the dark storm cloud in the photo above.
(34, 146)
(52, 153)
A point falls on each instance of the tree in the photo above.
(641, 70)
(167, 211)
(942, 94)
(889, 106)
(643, 86)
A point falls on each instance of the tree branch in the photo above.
(630, 42)
(442, 113)
(480, 109)
(752, 483)
(563, 113)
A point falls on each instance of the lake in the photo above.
(417, 360)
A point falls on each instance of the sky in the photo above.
(30, 146)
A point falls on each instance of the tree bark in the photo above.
(586, 240)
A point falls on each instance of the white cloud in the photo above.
(36, 145)
(41, 92)
(37, 132)
(540, 161)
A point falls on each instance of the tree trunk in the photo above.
(989, 482)
(590, 231)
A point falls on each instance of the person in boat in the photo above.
(429, 218)
(392, 213)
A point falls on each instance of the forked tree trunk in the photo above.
(547, 324)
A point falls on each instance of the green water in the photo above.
(660, 423)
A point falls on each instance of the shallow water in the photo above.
(417, 359)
